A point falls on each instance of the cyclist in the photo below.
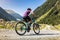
(27, 18)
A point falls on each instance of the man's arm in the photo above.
(33, 14)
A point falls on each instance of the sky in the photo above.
(20, 6)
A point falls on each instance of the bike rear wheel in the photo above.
(36, 28)
(20, 28)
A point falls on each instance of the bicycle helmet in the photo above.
(29, 9)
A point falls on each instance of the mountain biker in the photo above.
(27, 18)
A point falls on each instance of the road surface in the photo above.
(6, 34)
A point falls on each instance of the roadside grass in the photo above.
(53, 28)
(5, 27)
(1, 26)
(9, 27)
(42, 26)
(57, 27)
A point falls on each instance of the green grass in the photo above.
(42, 26)
(57, 27)
(5, 27)
(1, 26)
(43, 16)
(51, 16)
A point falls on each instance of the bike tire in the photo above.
(17, 30)
(36, 26)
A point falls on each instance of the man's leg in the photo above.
(29, 22)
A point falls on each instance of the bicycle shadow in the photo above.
(39, 34)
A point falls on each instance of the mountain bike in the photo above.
(22, 26)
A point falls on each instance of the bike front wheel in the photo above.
(36, 28)
(20, 28)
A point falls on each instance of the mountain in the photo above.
(14, 14)
(49, 12)
(7, 17)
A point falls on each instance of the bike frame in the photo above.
(33, 21)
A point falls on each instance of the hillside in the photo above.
(4, 15)
(16, 15)
(49, 12)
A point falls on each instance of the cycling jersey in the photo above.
(26, 13)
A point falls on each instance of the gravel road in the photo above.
(6, 34)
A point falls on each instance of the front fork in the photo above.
(28, 27)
